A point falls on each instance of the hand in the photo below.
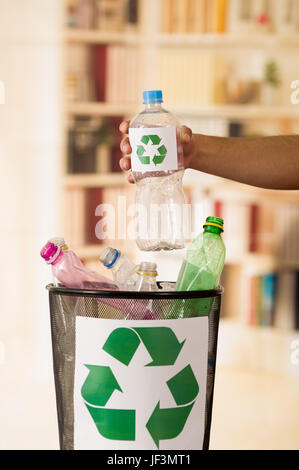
(187, 141)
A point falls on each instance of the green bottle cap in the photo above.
(214, 222)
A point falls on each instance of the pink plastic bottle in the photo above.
(68, 270)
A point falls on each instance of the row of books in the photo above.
(252, 226)
(248, 227)
(104, 15)
(272, 300)
(93, 145)
(104, 73)
(232, 16)
(194, 16)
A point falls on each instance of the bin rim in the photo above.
(118, 294)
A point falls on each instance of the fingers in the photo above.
(125, 146)
(124, 126)
(186, 135)
(125, 163)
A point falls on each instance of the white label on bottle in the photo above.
(153, 149)
(140, 384)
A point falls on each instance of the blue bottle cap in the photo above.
(152, 96)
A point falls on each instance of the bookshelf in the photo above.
(156, 51)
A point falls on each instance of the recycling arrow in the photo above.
(158, 157)
(99, 385)
(122, 344)
(119, 424)
(160, 342)
(162, 345)
(183, 386)
(114, 424)
(167, 423)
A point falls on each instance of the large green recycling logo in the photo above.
(160, 151)
(163, 423)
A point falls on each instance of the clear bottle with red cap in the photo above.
(157, 167)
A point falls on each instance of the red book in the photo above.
(94, 197)
(99, 70)
(253, 228)
(218, 209)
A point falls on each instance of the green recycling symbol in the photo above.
(164, 348)
(160, 151)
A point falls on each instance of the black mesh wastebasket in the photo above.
(128, 373)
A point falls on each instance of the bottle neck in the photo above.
(212, 229)
(153, 106)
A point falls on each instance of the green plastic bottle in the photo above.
(201, 270)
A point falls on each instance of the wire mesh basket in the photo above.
(127, 313)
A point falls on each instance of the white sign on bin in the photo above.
(140, 384)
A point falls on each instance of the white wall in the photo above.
(30, 148)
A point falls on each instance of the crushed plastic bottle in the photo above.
(201, 270)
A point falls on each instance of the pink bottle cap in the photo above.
(50, 252)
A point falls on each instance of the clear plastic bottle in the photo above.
(147, 274)
(157, 167)
(123, 270)
(146, 282)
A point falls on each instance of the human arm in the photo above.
(267, 162)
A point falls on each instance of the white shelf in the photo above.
(95, 180)
(237, 111)
(223, 111)
(226, 40)
(100, 109)
(93, 36)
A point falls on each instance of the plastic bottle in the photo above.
(147, 274)
(157, 168)
(146, 282)
(201, 270)
(122, 269)
(68, 270)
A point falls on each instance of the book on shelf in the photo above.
(102, 15)
(285, 301)
(103, 73)
(194, 16)
(260, 299)
(99, 70)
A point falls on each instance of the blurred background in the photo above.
(71, 72)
